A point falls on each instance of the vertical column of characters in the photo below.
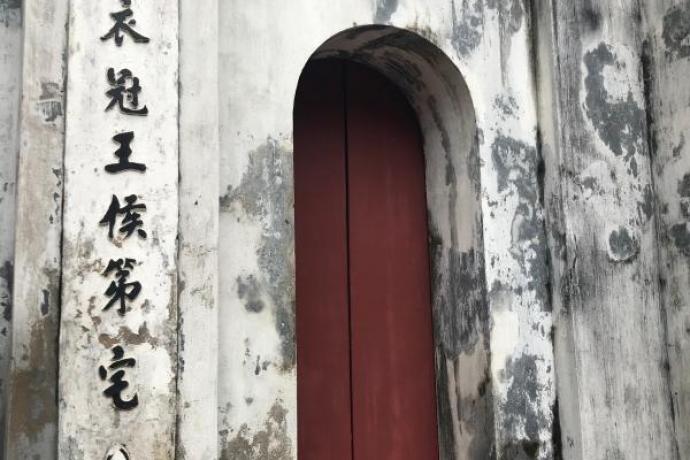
(118, 326)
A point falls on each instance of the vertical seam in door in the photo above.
(347, 244)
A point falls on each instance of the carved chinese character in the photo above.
(118, 383)
(124, 23)
(131, 219)
(117, 452)
(124, 92)
(121, 291)
(123, 153)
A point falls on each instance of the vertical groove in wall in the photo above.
(665, 65)
(10, 95)
(32, 402)
(546, 61)
(196, 434)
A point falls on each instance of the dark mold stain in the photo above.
(647, 64)
(468, 27)
(510, 19)
(404, 71)
(676, 31)
(10, 13)
(521, 408)
(680, 233)
(127, 336)
(619, 123)
(248, 290)
(257, 368)
(7, 274)
(475, 411)
(518, 169)
(446, 436)
(684, 186)
(385, 10)
(678, 149)
(556, 441)
(45, 304)
(266, 193)
(50, 101)
(11, 4)
(623, 247)
(271, 443)
(521, 450)
(591, 16)
(506, 104)
(461, 311)
(478, 415)
(645, 208)
(516, 164)
(33, 407)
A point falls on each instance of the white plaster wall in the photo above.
(489, 43)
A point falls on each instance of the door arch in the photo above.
(366, 386)
(439, 95)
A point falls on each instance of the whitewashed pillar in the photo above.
(197, 385)
(99, 416)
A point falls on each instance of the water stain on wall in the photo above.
(265, 194)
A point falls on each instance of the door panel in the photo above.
(323, 345)
(366, 385)
(393, 388)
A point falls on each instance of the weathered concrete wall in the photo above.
(666, 66)
(10, 87)
(610, 346)
(558, 185)
(489, 42)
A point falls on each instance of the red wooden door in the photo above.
(366, 388)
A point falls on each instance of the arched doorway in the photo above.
(366, 386)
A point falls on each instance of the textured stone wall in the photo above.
(489, 44)
(558, 188)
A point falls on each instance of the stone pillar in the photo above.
(118, 331)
